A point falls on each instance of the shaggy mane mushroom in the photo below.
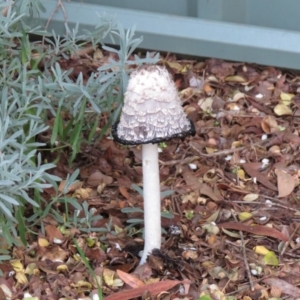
(152, 113)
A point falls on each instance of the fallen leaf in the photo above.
(73, 187)
(251, 197)
(152, 288)
(131, 280)
(269, 124)
(285, 183)
(287, 288)
(248, 167)
(286, 98)
(43, 242)
(21, 278)
(124, 192)
(237, 96)
(17, 265)
(53, 233)
(255, 229)
(271, 259)
(262, 250)
(235, 78)
(281, 110)
(97, 178)
(244, 216)
(108, 276)
(175, 65)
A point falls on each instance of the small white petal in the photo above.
(263, 218)
(118, 247)
(298, 240)
(93, 210)
(265, 161)
(175, 230)
(57, 241)
(193, 166)
(254, 272)
(269, 203)
(95, 297)
(248, 88)
(181, 289)
(264, 137)
(254, 180)
(58, 260)
(242, 161)
(27, 295)
(228, 157)
(259, 96)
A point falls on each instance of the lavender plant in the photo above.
(27, 94)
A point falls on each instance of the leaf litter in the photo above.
(230, 223)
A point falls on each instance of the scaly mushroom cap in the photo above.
(152, 110)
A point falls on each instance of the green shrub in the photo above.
(29, 93)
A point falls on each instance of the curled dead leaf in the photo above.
(285, 183)
(281, 110)
(235, 78)
(269, 124)
(256, 229)
(53, 232)
(73, 187)
(97, 178)
(153, 288)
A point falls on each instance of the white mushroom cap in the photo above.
(152, 110)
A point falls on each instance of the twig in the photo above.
(58, 5)
(245, 257)
(288, 242)
(187, 160)
(226, 151)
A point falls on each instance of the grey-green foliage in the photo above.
(22, 107)
(27, 94)
(84, 99)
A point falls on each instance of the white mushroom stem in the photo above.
(152, 206)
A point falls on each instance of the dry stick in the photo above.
(288, 242)
(245, 257)
(226, 151)
(58, 5)
(184, 161)
(222, 152)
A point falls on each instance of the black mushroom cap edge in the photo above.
(181, 135)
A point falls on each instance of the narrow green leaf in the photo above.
(21, 225)
(93, 130)
(57, 124)
(137, 189)
(85, 261)
(127, 210)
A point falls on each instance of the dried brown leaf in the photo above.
(153, 288)
(249, 168)
(255, 229)
(286, 287)
(131, 280)
(97, 178)
(53, 232)
(285, 183)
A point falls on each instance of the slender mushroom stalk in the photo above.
(152, 207)
(152, 113)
